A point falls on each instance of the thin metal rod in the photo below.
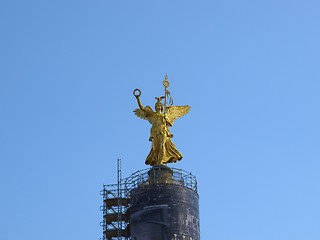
(165, 98)
(119, 196)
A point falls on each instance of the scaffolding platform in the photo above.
(112, 202)
(114, 234)
(116, 214)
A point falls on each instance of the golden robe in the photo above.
(162, 150)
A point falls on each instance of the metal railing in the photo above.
(179, 177)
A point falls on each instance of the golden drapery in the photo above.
(162, 149)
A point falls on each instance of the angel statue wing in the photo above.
(174, 112)
(144, 114)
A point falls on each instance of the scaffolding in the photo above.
(115, 210)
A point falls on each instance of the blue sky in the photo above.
(249, 70)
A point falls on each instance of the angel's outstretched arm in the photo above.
(142, 112)
(139, 103)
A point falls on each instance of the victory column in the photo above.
(159, 203)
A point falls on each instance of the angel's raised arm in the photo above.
(139, 103)
(142, 112)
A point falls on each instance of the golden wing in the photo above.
(174, 112)
(144, 114)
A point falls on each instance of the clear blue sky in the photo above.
(249, 70)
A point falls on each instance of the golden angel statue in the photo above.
(162, 150)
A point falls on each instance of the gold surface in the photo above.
(162, 150)
(165, 82)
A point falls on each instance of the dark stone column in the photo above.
(164, 209)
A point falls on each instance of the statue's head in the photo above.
(159, 107)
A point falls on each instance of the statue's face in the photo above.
(158, 107)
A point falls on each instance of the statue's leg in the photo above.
(156, 154)
(173, 154)
(162, 148)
